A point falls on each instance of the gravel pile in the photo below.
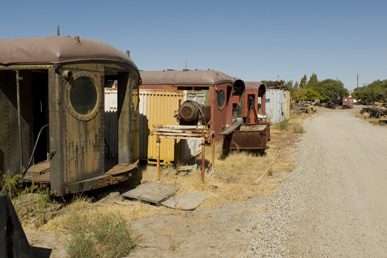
(272, 231)
(334, 203)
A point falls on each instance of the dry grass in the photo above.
(232, 181)
(100, 234)
(86, 208)
(234, 176)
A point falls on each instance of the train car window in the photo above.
(251, 100)
(221, 98)
(83, 95)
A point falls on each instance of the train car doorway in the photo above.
(40, 115)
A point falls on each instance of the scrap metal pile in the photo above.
(304, 106)
(376, 111)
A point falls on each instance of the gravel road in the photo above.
(334, 204)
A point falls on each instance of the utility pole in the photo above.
(337, 86)
(357, 80)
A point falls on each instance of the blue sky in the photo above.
(252, 40)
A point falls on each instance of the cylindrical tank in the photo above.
(190, 113)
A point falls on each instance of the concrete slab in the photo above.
(187, 201)
(152, 192)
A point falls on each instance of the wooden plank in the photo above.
(187, 201)
(43, 178)
(121, 168)
(152, 192)
(40, 167)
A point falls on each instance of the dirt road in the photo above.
(334, 203)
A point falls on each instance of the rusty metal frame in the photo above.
(184, 132)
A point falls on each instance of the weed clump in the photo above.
(283, 125)
(298, 129)
(9, 184)
(106, 235)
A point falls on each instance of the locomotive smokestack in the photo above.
(239, 87)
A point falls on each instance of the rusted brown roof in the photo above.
(253, 85)
(57, 49)
(186, 77)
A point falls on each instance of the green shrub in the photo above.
(9, 184)
(105, 235)
(298, 129)
(283, 125)
(81, 245)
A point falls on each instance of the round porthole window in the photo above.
(83, 98)
(221, 98)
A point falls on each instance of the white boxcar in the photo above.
(276, 107)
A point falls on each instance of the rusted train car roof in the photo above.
(185, 77)
(253, 85)
(57, 49)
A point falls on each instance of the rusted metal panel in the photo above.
(58, 49)
(183, 132)
(185, 77)
(71, 101)
(135, 120)
(249, 137)
(217, 85)
(347, 102)
(128, 113)
(221, 111)
(248, 131)
(255, 92)
(10, 151)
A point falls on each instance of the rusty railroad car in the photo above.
(52, 120)
(248, 131)
(218, 88)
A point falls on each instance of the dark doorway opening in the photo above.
(40, 114)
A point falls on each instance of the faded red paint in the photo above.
(255, 90)
(220, 116)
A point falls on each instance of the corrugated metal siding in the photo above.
(110, 100)
(276, 106)
(157, 107)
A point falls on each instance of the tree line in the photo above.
(313, 89)
(371, 93)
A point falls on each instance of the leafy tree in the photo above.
(374, 92)
(303, 82)
(331, 89)
(289, 85)
(312, 95)
(306, 94)
(313, 81)
(296, 87)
